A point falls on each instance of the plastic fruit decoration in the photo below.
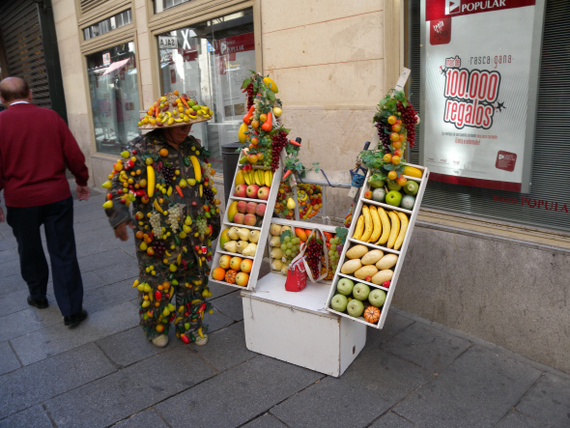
(371, 314)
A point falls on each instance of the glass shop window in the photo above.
(114, 96)
(209, 61)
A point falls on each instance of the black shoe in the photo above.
(73, 321)
(40, 304)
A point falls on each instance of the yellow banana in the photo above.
(403, 228)
(385, 226)
(258, 177)
(368, 227)
(395, 228)
(158, 207)
(247, 177)
(268, 178)
(201, 189)
(412, 172)
(376, 222)
(197, 168)
(150, 181)
(359, 227)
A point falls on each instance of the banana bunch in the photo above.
(258, 176)
(379, 227)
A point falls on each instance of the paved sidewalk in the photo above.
(104, 373)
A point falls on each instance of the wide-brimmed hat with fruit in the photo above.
(174, 109)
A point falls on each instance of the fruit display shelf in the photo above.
(373, 255)
(245, 227)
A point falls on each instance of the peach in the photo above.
(224, 261)
(242, 206)
(260, 210)
(250, 208)
(250, 219)
(239, 218)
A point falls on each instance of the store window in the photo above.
(547, 203)
(161, 5)
(113, 87)
(209, 61)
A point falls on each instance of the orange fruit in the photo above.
(387, 158)
(394, 136)
(163, 152)
(160, 328)
(139, 234)
(396, 144)
(395, 160)
(218, 273)
(392, 119)
(396, 127)
(392, 175)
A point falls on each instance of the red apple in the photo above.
(242, 206)
(239, 218)
(263, 193)
(249, 220)
(251, 207)
(260, 210)
(240, 190)
(251, 191)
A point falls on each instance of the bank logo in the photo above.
(452, 7)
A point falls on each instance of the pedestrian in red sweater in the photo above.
(36, 148)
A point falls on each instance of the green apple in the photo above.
(339, 302)
(379, 194)
(355, 308)
(377, 297)
(393, 185)
(394, 198)
(411, 187)
(344, 286)
(376, 184)
(408, 202)
(360, 291)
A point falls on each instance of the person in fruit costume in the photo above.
(162, 188)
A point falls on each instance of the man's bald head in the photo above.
(14, 89)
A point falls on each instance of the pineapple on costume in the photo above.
(162, 187)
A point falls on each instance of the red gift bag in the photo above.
(297, 274)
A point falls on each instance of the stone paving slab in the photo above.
(426, 346)
(391, 420)
(477, 389)
(8, 359)
(548, 401)
(265, 421)
(51, 377)
(34, 417)
(57, 339)
(230, 305)
(147, 418)
(216, 352)
(237, 396)
(129, 391)
(517, 420)
(374, 383)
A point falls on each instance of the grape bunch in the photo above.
(334, 252)
(290, 247)
(408, 115)
(168, 174)
(156, 224)
(173, 218)
(159, 248)
(279, 141)
(209, 194)
(313, 255)
(202, 225)
(249, 92)
(383, 135)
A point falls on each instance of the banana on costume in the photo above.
(169, 196)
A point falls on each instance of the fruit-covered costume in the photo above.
(175, 214)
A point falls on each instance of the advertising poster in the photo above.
(480, 63)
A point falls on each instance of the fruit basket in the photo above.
(287, 237)
(373, 255)
(245, 226)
